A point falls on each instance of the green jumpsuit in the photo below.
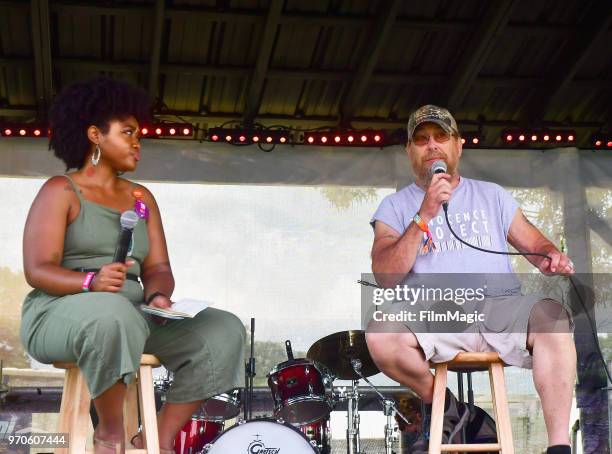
(105, 333)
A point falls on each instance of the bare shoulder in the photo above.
(58, 186)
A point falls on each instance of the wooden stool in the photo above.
(472, 362)
(74, 411)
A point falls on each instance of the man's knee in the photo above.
(549, 316)
(385, 347)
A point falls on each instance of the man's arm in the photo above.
(525, 237)
(393, 255)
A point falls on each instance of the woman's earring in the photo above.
(95, 157)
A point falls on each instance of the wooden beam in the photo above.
(156, 39)
(41, 49)
(258, 78)
(593, 28)
(369, 57)
(477, 50)
(296, 74)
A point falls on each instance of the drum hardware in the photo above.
(353, 439)
(3, 388)
(337, 352)
(249, 375)
(389, 408)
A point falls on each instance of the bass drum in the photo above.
(259, 436)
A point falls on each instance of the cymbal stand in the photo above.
(353, 442)
(389, 408)
(249, 375)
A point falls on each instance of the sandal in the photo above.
(116, 446)
(139, 436)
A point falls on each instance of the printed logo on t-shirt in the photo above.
(471, 226)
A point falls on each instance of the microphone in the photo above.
(439, 167)
(128, 221)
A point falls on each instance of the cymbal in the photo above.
(337, 350)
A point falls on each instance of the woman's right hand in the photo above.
(111, 277)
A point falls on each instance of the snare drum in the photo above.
(222, 406)
(261, 436)
(195, 434)
(302, 391)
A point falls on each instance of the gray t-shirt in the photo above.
(479, 212)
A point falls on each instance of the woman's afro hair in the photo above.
(94, 102)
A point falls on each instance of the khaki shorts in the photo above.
(503, 330)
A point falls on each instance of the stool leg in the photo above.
(500, 405)
(147, 409)
(437, 409)
(130, 412)
(74, 412)
(461, 396)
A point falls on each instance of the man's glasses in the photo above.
(422, 139)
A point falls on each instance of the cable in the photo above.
(591, 322)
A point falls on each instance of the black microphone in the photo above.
(289, 350)
(439, 167)
(128, 221)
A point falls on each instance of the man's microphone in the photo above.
(439, 167)
(128, 221)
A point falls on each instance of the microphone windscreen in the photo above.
(129, 219)
(438, 167)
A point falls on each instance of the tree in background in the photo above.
(13, 289)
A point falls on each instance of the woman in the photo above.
(84, 308)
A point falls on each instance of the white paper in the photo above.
(190, 306)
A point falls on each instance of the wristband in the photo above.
(428, 245)
(154, 295)
(87, 281)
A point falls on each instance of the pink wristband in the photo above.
(87, 281)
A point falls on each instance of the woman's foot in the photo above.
(108, 442)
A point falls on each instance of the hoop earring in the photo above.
(96, 158)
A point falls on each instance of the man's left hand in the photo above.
(559, 263)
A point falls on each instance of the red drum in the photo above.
(222, 406)
(302, 391)
(318, 433)
(195, 434)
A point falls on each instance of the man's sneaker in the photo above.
(456, 416)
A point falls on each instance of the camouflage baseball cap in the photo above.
(434, 114)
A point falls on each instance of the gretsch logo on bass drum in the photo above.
(258, 447)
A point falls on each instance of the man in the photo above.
(403, 243)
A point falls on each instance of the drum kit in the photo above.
(304, 396)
